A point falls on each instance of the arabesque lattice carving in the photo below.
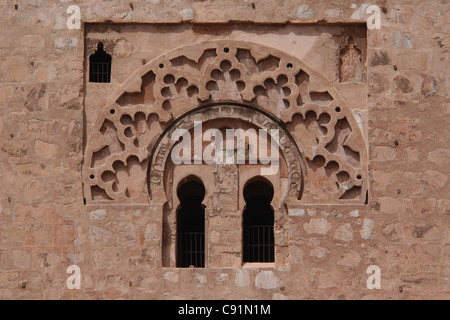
(303, 102)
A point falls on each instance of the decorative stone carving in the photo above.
(331, 156)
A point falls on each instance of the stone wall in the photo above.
(45, 226)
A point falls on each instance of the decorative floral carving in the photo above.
(323, 129)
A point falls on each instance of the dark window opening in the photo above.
(258, 222)
(100, 66)
(191, 226)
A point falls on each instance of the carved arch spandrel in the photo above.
(212, 72)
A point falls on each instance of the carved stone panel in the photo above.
(128, 143)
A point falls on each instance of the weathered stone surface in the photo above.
(368, 229)
(151, 232)
(14, 148)
(354, 213)
(393, 232)
(391, 205)
(66, 43)
(171, 276)
(344, 233)
(15, 69)
(21, 259)
(97, 214)
(430, 86)
(304, 11)
(36, 98)
(364, 131)
(403, 84)
(319, 253)
(296, 212)
(267, 280)
(439, 156)
(434, 178)
(242, 279)
(44, 150)
(39, 234)
(384, 153)
(327, 280)
(379, 59)
(378, 83)
(350, 260)
(99, 235)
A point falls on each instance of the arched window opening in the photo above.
(258, 222)
(100, 66)
(191, 225)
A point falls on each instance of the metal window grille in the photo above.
(100, 72)
(191, 249)
(258, 244)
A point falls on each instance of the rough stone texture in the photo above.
(367, 229)
(398, 114)
(319, 226)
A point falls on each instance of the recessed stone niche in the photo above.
(307, 81)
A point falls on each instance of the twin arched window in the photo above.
(257, 224)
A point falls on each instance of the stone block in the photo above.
(16, 69)
(403, 84)
(63, 44)
(64, 235)
(36, 98)
(351, 101)
(434, 178)
(350, 260)
(428, 254)
(344, 233)
(32, 41)
(393, 232)
(416, 279)
(14, 148)
(410, 60)
(368, 229)
(242, 279)
(305, 12)
(327, 280)
(15, 259)
(319, 253)
(384, 154)
(98, 214)
(439, 156)
(97, 234)
(390, 205)
(378, 83)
